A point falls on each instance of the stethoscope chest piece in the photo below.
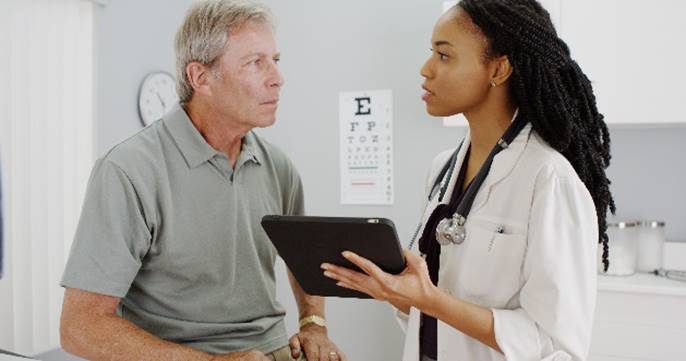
(451, 230)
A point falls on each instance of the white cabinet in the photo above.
(641, 317)
(633, 51)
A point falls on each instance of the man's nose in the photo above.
(276, 79)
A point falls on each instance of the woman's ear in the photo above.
(501, 71)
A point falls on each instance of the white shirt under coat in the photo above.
(538, 276)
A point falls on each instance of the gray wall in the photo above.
(357, 45)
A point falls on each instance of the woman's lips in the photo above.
(427, 94)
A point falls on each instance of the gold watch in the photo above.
(317, 320)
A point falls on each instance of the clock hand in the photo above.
(162, 100)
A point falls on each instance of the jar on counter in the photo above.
(623, 243)
(651, 241)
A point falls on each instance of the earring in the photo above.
(493, 84)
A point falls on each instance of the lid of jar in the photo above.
(652, 224)
(623, 224)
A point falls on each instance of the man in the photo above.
(169, 260)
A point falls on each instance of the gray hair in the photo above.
(204, 34)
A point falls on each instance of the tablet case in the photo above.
(305, 242)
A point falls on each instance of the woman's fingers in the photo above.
(414, 261)
(367, 266)
(347, 285)
(356, 286)
(342, 274)
(350, 279)
(374, 281)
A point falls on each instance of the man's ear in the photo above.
(198, 75)
(502, 70)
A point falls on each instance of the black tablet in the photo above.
(305, 243)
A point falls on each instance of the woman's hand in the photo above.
(412, 287)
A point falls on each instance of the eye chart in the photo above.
(366, 151)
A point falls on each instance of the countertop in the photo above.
(646, 283)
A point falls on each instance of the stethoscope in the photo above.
(452, 230)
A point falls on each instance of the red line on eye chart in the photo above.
(363, 183)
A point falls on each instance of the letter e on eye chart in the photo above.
(366, 147)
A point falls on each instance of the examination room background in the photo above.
(333, 46)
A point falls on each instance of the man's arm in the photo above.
(90, 328)
(307, 305)
(311, 338)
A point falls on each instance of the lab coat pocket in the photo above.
(496, 257)
(558, 356)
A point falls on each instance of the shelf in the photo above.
(645, 283)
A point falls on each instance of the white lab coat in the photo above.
(538, 276)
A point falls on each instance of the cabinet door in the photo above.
(633, 52)
(638, 326)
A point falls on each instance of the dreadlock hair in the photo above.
(551, 91)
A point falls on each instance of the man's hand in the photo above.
(242, 356)
(314, 341)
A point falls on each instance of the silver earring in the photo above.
(493, 84)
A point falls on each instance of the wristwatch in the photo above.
(317, 320)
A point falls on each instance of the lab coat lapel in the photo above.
(456, 171)
(503, 163)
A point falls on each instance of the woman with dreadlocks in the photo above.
(514, 214)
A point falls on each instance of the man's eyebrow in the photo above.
(251, 55)
(258, 54)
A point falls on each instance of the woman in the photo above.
(510, 231)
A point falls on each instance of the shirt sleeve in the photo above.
(401, 318)
(557, 301)
(112, 236)
(296, 197)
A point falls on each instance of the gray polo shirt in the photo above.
(170, 228)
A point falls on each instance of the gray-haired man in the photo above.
(169, 261)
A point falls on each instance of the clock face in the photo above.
(157, 96)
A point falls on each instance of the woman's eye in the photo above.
(441, 56)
